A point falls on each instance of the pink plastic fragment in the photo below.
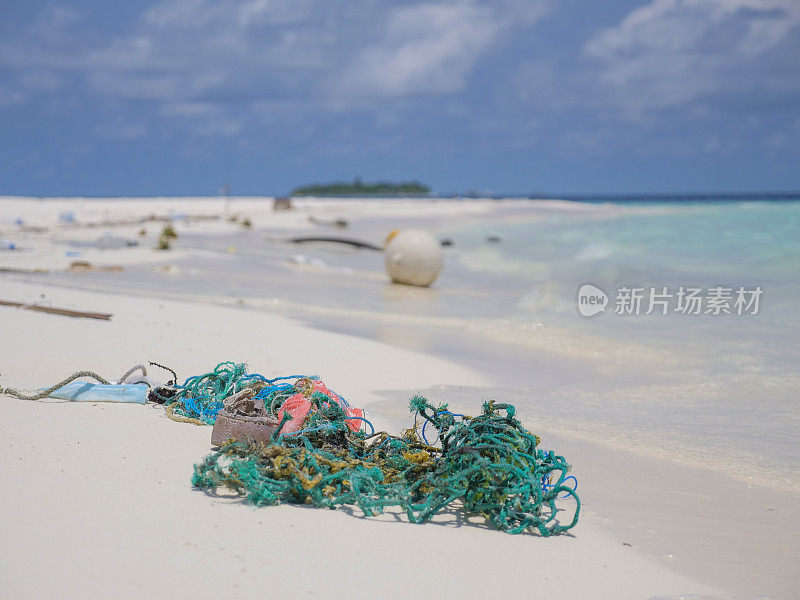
(354, 424)
(298, 406)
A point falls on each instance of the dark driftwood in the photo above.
(66, 312)
(16, 270)
(336, 240)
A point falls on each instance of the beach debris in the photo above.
(493, 239)
(67, 217)
(202, 397)
(243, 418)
(413, 257)
(446, 242)
(8, 245)
(110, 242)
(35, 271)
(83, 266)
(131, 388)
(306, 397)
(46, 392)
(168, 231)
(151, 218)
(76, 391)
(490, 464)
(105, 242)
(143, 232)
(291, 439)
(161, 394)
(66, 312)
(340, 223)
(247, 223)
(131, 376)
(335, 240)
(283, 203)
(23, 226)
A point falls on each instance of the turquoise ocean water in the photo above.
(722, 386)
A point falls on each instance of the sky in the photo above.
(179, 97)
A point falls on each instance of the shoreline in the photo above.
(739, 468)
(85, 478)
(617, 516)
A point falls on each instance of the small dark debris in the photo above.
(282, 204)
(161, 394)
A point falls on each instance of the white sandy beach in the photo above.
(98, 495)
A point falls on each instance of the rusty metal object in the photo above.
(243, 419)
(242, 429)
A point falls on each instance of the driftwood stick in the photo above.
(19, 270)
(66, 312)
(336, 240)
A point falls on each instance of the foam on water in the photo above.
(727, 386)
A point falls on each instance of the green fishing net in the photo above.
(489, 464)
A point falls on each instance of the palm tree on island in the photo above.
(359, 188)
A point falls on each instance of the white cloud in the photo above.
(245, 56)
(223, 67)
(426, 49)
(670, 52)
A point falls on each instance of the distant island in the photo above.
(359, 188)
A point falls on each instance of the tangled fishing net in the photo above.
(490, 464)
(201, 397)
(319, 453)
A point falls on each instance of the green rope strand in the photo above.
(490, 463)
(44, 393)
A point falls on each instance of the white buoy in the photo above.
(413, 257)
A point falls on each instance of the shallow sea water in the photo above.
(720, 391)
(725, 386)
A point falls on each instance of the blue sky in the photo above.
(181, 96)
